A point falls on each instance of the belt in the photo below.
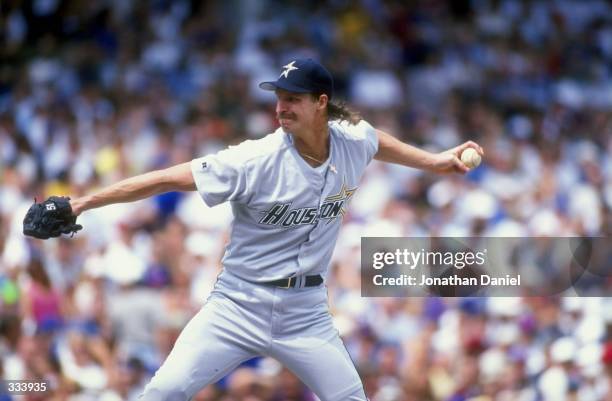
(309, 281)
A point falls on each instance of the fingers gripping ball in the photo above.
(50, 218)
(471, 158)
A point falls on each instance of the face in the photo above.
(297, 111)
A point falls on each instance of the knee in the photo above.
(353, 394)
(155, 392)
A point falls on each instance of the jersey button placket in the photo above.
(319, 181)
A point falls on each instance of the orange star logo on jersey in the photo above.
(343, 196)
(344, 193)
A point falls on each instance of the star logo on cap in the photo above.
(287, 69)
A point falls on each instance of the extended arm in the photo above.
(392, 150)
(176, 178)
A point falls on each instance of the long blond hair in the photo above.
(340, 111)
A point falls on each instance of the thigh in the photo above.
(205, 351)
(324, 365)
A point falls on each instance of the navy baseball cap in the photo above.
(303, 76)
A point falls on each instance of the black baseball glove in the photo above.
(50, 218)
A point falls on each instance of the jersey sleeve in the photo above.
(363, 131)
(221, 176)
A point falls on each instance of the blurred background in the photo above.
(95, 91)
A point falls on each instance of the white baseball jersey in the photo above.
(287, 214)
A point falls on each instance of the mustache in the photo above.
(288, 116)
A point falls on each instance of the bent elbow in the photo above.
(179, 178)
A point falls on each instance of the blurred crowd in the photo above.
(93, 92)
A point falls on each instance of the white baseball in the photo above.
(470, 158)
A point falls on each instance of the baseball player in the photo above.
(288, 192)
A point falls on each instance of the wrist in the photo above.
(78, 205)
(431, 162)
